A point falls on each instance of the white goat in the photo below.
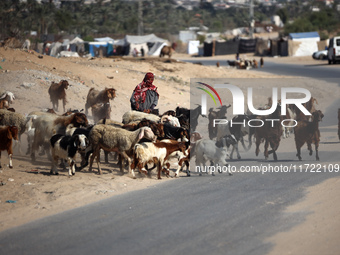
(207, 150)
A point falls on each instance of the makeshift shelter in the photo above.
(155, 50)
(303, 44)
(104, 39)
(98, 49)
(139, 41)
(55, 48)
(221, 47)
(193, 47)
(247, 45)
(77, 45)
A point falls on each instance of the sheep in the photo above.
(57, 92)
(95, 96)
(101, 111)
(8, 118)
(171, 120)
(110, 138)
(155, 152)
(136, 115)
(308, 132)
(7, 133)
(157, 128)
(47, 125)
(6, 99)
(207, 150)
(110, 122)
(66, 147)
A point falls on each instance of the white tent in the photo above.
(307, 43)
(155, 50)
(139, 41)
(104, 39)
(55, 49)
(77, 40)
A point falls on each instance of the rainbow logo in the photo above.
(209, 93)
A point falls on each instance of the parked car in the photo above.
(334, 50)
(321, 54)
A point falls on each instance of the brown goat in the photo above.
(270, 132)
(8, 133)
(308, 132)
(57, 92)
(95, 96)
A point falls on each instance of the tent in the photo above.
(77, 45)
(303, 44)
(55, 48)
(145, 41)
(155, 50)
(104, 39)
(98, 49)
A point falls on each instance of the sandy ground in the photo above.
(38, 194)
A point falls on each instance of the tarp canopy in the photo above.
(155, 50)
(308, 43)
(55, 49)
(77, 40)
(139, 39)
(104, 39)
(304, 35)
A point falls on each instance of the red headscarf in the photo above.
(145, 85)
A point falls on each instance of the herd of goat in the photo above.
(142, 138)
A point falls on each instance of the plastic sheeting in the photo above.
(139, 39)
(155, 50)
(193, 47)
(55, 49)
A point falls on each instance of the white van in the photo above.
(334, 50)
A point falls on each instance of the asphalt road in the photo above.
(319, 70)
(191, 215)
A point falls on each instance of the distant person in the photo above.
(261, 62)
(145, 96)
(135, 52)
(237, 56)
(142, 51)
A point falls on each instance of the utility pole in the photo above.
(251, 19)
(140, 17)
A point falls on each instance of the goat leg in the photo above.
(266, 149)
(309, 145)
(317, 152)
(298, 154)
